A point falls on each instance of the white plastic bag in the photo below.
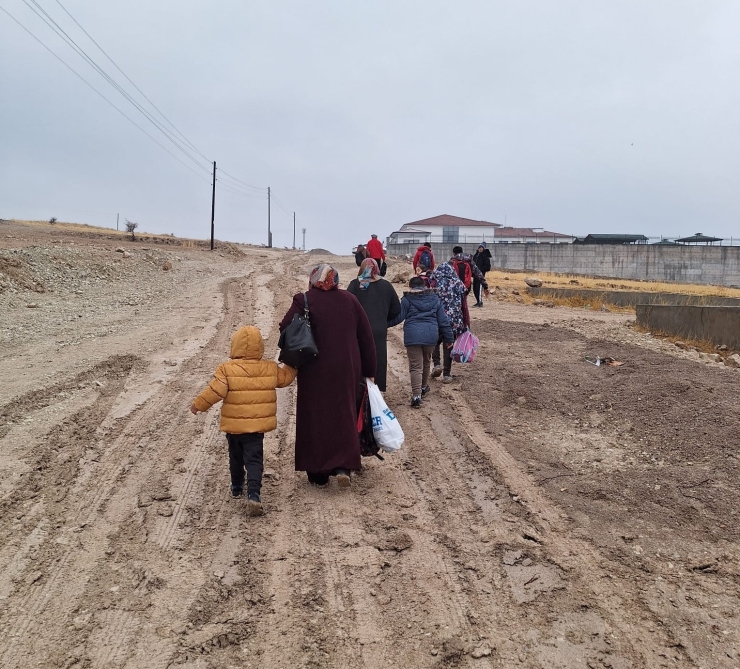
(386, 429)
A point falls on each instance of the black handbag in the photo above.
(297, 345)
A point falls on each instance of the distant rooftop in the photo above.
(529, 232)
(612, 239)
(698, 238)
(445, 220)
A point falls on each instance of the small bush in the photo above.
(53, 220)
(130, 227)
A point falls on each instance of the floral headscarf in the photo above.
(451, 291)
(324, 277)
(368, 272)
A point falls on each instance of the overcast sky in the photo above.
(578, 117)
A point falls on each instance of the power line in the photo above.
(51, 23)
(290, 213)
(237, 186)
(230, 184)
(226, 187)
(87, 83)
(242, 182)
(192, 146)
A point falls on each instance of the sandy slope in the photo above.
(520, 526)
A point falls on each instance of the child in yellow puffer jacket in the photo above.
(246, 384)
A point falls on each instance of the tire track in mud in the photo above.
(96, 489)
(534, 527)
(340, 560)
(494, 549)
(168, 501)
(194, 520)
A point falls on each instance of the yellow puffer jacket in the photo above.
(246, 384)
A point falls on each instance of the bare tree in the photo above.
(130, 227)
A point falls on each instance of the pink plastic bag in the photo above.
(465, 347)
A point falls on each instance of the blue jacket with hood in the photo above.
(425, 319)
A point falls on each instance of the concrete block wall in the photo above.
(719, 325)
(716, 265)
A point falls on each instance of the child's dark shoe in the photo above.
(425, 390)
(254, 506)
(236, 490)
(416, 402)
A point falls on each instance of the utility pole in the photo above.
(294, 231)
(117, 215)
(213, 202)
(269, 233)
(304, 238)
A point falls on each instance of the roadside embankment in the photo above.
(719, 325)
(631, 298)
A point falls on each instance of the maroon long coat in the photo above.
(326, 411)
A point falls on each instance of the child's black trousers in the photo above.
(245, 452)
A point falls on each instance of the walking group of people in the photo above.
(350, 330)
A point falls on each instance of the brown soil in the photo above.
(543, 512)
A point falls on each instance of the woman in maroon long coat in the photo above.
(327, 442)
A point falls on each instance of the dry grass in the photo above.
(92, 230)
(516, 280)
(84, 227)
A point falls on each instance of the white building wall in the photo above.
(466, 234)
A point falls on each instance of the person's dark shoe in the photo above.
(318, 479)
(437, 371)
(424, 390)
(254, 505)
(237, 490)
(416, 402)
(343, 479)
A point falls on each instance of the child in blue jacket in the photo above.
(425, 320)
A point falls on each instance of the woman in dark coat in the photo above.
(381, 304)
(482, 260)
(327, 442)
(360, 254)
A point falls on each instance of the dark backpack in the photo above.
(462, 267)
(425, 259)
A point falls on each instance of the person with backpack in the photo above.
(482, 259)
(467, 270)
(424, 258)
(451, 292)
(360, 254)
(424, 324)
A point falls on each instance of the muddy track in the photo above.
(136, 475)
(121, 546)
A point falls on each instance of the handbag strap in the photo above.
(305, 304)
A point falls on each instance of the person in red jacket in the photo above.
(375, 250)
(424, 257)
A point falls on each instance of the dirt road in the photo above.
(542, 513)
